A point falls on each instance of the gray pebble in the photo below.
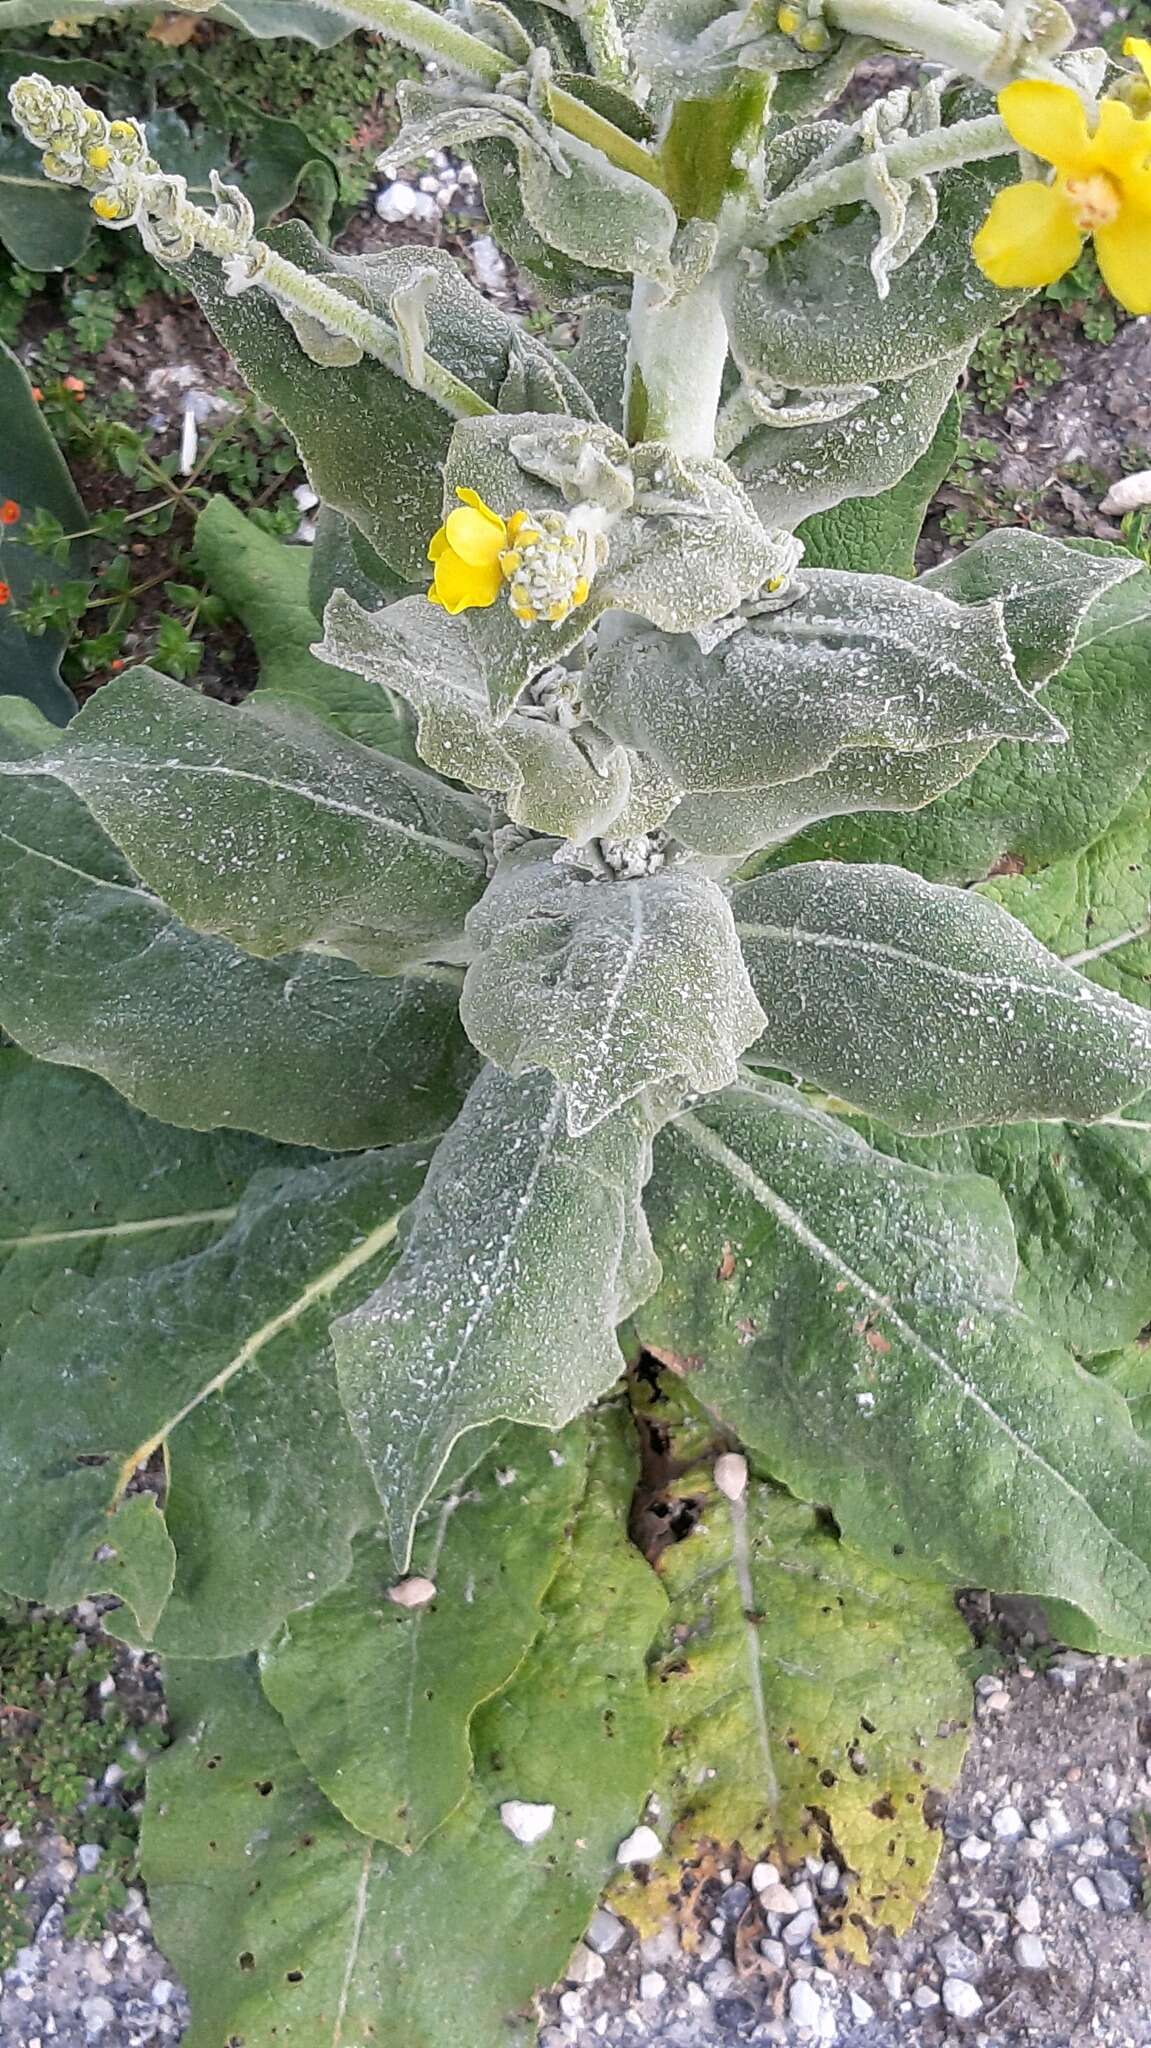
(954, 1957)
(773, 1952)
(735, 1902)
(1114, 1890)
(88, 1855)
(605, 1933)
(800, 1929)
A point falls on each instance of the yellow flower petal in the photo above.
(1139, 48)
(437, 544)
(476, 537)
(1121, 144)
(459, 586)
(1048, 120)
(1124, 252)
(1029, 237)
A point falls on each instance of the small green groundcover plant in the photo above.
(637, 1025)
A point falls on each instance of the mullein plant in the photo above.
(643, 1009)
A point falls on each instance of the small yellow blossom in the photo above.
(1102, 187)
(466, 553)
(477, 553)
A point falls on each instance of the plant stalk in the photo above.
(941, 149)
(944, 34)
(676, 360)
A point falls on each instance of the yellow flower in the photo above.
(1102, 187)
(546, 564)
(466, 552)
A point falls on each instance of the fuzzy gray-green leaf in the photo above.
(927, 1006)
(852, 1318)
(524, 1252)
(615, 986)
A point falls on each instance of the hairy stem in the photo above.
(430, 36)
(945, 34)
(942, 149)
(603, 39)
(675, 367)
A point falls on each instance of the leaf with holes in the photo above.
(220, 1360)
(311, 1928)
(867, 1344)
(819, 1702)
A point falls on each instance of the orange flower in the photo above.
(76, 386)
(37, 394)
(5, 594)
(9, 512)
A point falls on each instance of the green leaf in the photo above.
(309, 1929)
(879, 534)
(94, 1191)
(275, 163)
(1046, 587)
(818, 1701)
(524, 1252)
(96, 972)
(929, 1007)
(614, 986)
(378, 1698)
(34, 476)
(341, 848)
(810, 308)
(565, 780)
(799, 466)
(315, 22)
(1025, 807)
(1080, 1201)
(734, 821)
(853, 662)
(239, 1395)
(373, 447)
(866, 1344)
(267, 586)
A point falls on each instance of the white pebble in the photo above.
(88, 1855)
(961, 1999)
(974, 1849)
(763, 1875)
(1085, 1894)
(526, 1821)
(162, 1991)
(585, 1966)
(641, 1846)
(1030, 1953)
(571, 2004)
(412, 1592)
(1129, 493)
(652, 1986)
(731, 1475)
(925, 1997)
(1008, 1824)
(861, 2010)
(805, 2006)
(1027, 1914)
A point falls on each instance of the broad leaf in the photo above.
(865, 1342)
(818, 1700)
(268, 828)
(310, 1929)
(92, 1190)
(1027, 806)
(796, 467)
(614, 986)
(566, 779)
(311, 19)
(929, 1006)
(742, 820)
(879, 534)
(1080, 1201)
(1047, 590)
(524, 1252)
(810, 306)
(34, 477)
(852, 662)
(268, 586)
(96, 972)
(371, 444)
(377, 1697)
(238, 1393)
